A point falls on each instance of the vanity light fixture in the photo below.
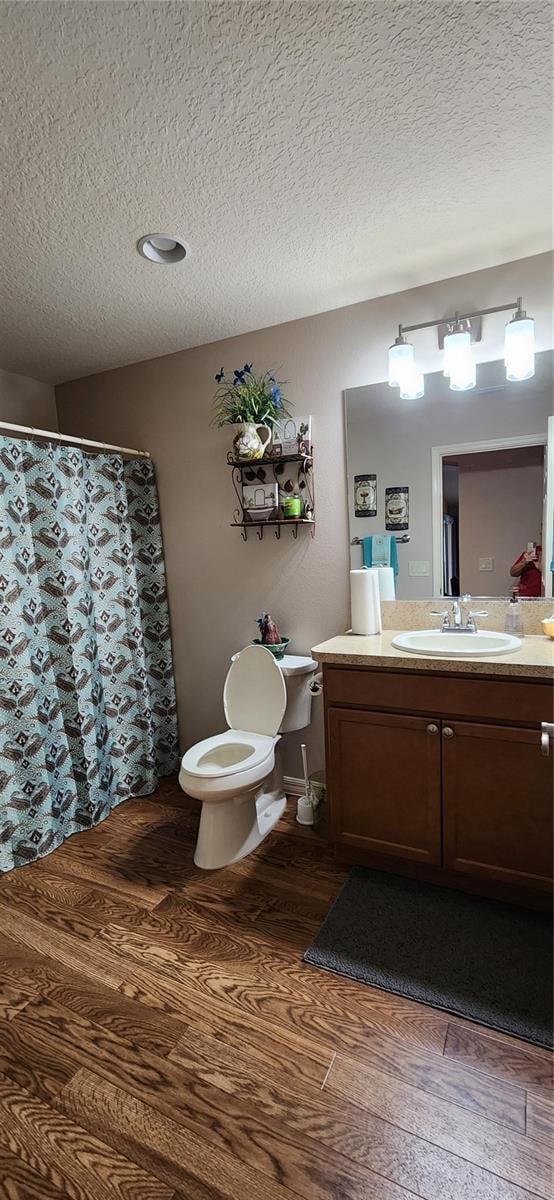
(401, 360)
(519, 346)
(459, 365)
(412, 384)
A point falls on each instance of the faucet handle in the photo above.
(470, 625)
(445, 614)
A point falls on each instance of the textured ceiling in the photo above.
(311, 154)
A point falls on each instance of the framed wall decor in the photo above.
(259, 495)
(365, 495)
(397, 508)
(292, 436)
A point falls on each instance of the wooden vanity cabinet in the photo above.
(385, 783)
(497, 804)
(441, 776)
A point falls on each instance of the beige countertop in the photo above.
(535, 659)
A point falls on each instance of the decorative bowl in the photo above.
(278, 650)
(548, 626)
(260, 513)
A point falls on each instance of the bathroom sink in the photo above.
(452, 645)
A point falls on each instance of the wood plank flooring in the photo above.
(161, 1039)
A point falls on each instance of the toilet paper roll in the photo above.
(364, 601)
(387, 589)
(315, 685)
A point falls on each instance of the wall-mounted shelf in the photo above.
(297, 473)
(270, 460)
(277, 525)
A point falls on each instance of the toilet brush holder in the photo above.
(304, 811)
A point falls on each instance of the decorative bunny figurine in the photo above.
(269, 633)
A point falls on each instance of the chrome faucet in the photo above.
(452, 619)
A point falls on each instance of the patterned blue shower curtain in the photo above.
(87, 698)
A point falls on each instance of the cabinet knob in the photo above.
(432, 729)
(447, 731)
(547, 731)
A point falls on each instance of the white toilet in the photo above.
(237, 774)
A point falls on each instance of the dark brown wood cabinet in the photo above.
(386, 780)
(441, 776)
(497, 795)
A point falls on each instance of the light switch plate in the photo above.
(418, 567)
(486, 564)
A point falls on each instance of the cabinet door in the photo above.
(497, 790)
(384, 784)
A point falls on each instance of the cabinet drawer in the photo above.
(521, 702)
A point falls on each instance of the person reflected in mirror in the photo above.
(527, 568)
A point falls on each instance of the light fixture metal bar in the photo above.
(466, 316)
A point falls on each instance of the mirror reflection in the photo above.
(455, 491)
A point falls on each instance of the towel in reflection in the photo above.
(380, 550)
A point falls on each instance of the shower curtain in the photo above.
(87, 698)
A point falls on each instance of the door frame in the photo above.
(548, 511)
(481, 447)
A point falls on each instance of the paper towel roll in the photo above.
(364, 601)
(386, 583)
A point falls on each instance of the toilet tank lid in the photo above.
(297, 664)
(293, 664)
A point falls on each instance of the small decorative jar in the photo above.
(251, 441)
(292, 507)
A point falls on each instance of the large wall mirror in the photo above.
(464, 481)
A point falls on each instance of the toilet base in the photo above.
(231, 829)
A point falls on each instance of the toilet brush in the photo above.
(304, 808)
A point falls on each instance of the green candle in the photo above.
(292, 507)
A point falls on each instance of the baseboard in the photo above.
(293, 786)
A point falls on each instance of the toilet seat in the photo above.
(227, 753)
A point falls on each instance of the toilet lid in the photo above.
(255, 695)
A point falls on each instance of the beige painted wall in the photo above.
(217, 584)
(500, 497)
(26, 401)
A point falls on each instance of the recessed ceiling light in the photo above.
(163, 248)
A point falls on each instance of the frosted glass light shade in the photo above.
(401, 359)
(458, 361)
(519, 349)
(412, 386)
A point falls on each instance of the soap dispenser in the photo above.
(514, 619)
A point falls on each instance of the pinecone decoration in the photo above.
(269, 632)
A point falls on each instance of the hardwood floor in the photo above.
(161, 1039)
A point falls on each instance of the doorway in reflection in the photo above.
(492, 522)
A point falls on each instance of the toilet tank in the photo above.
(297, 671)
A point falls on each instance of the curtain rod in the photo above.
(66, 437)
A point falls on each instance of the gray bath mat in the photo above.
(482, 959)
